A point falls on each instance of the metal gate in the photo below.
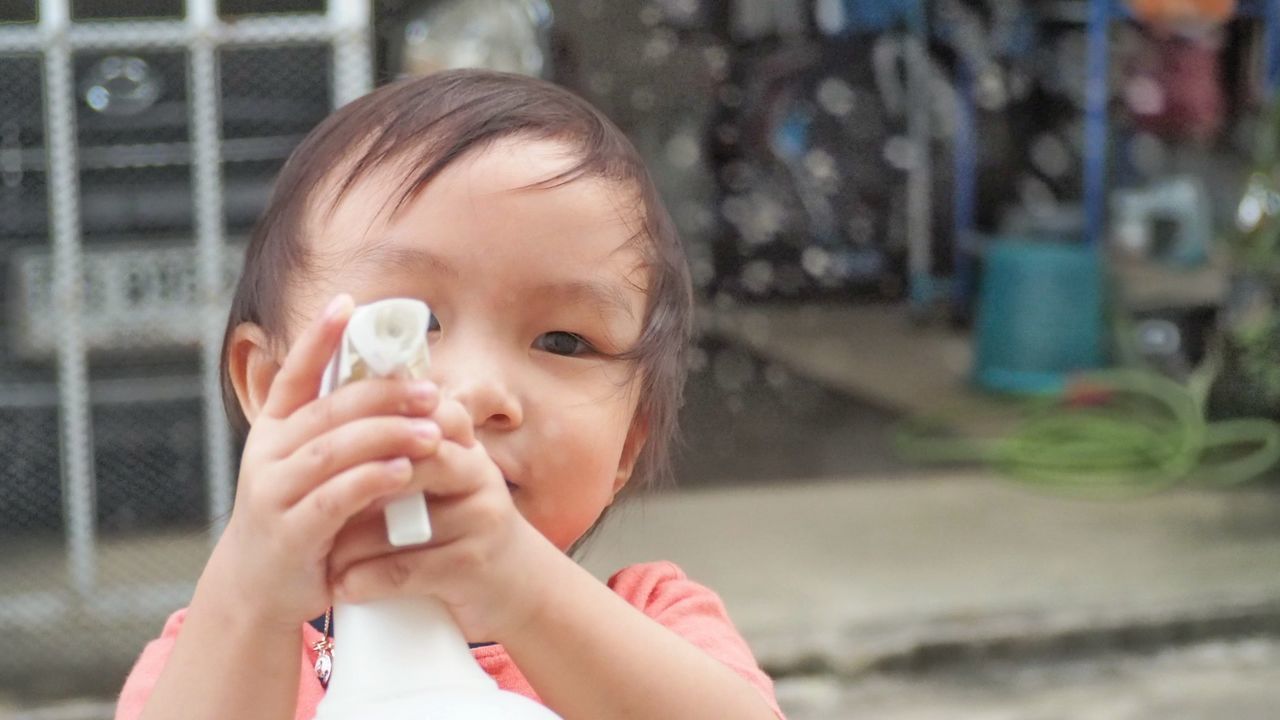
(133, 154)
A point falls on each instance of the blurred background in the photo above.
(980, 421)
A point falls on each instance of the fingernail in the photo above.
(336, 306)
(422, 390)
(426, 430)
(400, 468)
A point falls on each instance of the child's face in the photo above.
(514, 276)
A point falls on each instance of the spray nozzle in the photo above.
(382, 339)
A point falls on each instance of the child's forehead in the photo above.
(487, 216)
(508, 180)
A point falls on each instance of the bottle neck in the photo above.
(400, 647)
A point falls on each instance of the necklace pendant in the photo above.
(324, 660)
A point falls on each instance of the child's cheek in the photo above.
(553, 433)
(575, 445)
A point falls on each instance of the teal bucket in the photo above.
(1040, 316)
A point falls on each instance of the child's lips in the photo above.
(506, 469)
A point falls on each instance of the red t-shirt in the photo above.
(660, 590)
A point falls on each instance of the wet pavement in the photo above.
(963, 596)
(750, 420)
(1237, 679)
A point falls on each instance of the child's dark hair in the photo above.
(425, 124)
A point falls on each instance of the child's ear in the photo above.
(252, 366)
(631, 448)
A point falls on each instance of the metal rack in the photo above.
(1098, 16)
(55, 37)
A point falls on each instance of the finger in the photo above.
(451, 477)
(367, 398)
(393, 574)
(455, 470)
(349, 445)
(324, 511)
(455, 422)
(363, 537)
(371, 569)
(298, 380)
(365, 534)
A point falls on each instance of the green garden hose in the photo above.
(1111, 433)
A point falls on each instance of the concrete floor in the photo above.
(852, 590)
(1210, 680)
(875, 353)
(848, 576)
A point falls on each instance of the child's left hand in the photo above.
(484, 558)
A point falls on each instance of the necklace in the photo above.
(324, 652)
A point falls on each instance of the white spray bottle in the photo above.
(404, 659)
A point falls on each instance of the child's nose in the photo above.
(483, 392)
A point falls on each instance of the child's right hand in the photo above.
(309, 465)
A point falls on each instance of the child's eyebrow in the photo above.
(389, 255)
(603, 295)
(591, 292)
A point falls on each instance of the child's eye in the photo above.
(562, 343)
(433, 325)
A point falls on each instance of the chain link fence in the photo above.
(138, 142)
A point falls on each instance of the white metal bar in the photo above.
(25, 610)
(352, 49)
(20, 39)
(118, 391)
(174, 34)
(253, 149)
(33, 609)
(206, 172)
(68, 282)
(122, 604)
(127, 308)
(919, 177)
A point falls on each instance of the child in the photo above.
(561, 303)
